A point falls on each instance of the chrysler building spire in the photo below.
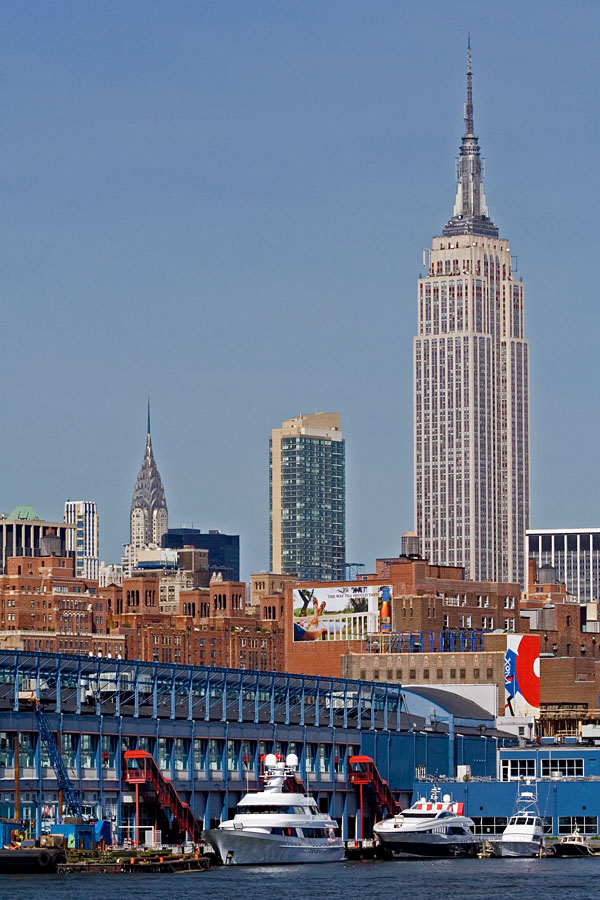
(470, 215)
(149, 517)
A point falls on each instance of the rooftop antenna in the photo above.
(469, 103)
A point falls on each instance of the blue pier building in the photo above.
(207, 730)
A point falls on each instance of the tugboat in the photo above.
(524, 834)
(280, 824)
(20, 860)
(429, 829)
(574, 844)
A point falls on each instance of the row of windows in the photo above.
(179, 753)
(425, 674)
(515, 769)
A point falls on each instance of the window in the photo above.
(565, 768)
(514, 769)
(489, 825)
(584, 824)
(214, 755)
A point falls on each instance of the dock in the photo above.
(361, 848)
(131, 865)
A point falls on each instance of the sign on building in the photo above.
(522, 675)
(340, 613)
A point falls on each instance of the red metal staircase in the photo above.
(140, 768)
(364, 773)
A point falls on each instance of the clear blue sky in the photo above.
(224, 205)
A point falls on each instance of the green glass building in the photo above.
(307, 498)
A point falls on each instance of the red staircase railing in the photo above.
(140, 768)
(363, 772)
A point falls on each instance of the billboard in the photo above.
(340, 612)
(522, 675)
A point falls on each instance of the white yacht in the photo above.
(280, 824)
(524, 834)
(428, 829)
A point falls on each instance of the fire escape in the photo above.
(364, 773)
(141, 769)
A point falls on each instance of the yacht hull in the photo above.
(573, 849)
(515, 848)
(419, 847)
(239, 848)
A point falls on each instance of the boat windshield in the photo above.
(433, 814)
(263, 809)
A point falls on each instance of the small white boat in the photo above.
(524, 834)
(429, 829)
(575, 844)
(280, 824)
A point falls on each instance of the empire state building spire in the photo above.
(470, 214)
(471, 392)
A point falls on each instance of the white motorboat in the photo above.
(280, 824)
(575, 844)
(524, 834)
(428, 829)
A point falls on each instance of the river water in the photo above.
(468, 879)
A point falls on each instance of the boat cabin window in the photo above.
(268, 810)
(422, 815)
(315, 832)
(520, 820)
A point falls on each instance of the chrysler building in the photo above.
(148, 516)
(471, 390)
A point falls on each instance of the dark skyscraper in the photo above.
(223, 549)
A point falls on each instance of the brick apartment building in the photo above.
(425, 598)
(44, 606)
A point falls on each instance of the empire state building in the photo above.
(471, 390)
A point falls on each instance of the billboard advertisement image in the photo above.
(340, 613)
(522, 675)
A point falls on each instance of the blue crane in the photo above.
(70, 795)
